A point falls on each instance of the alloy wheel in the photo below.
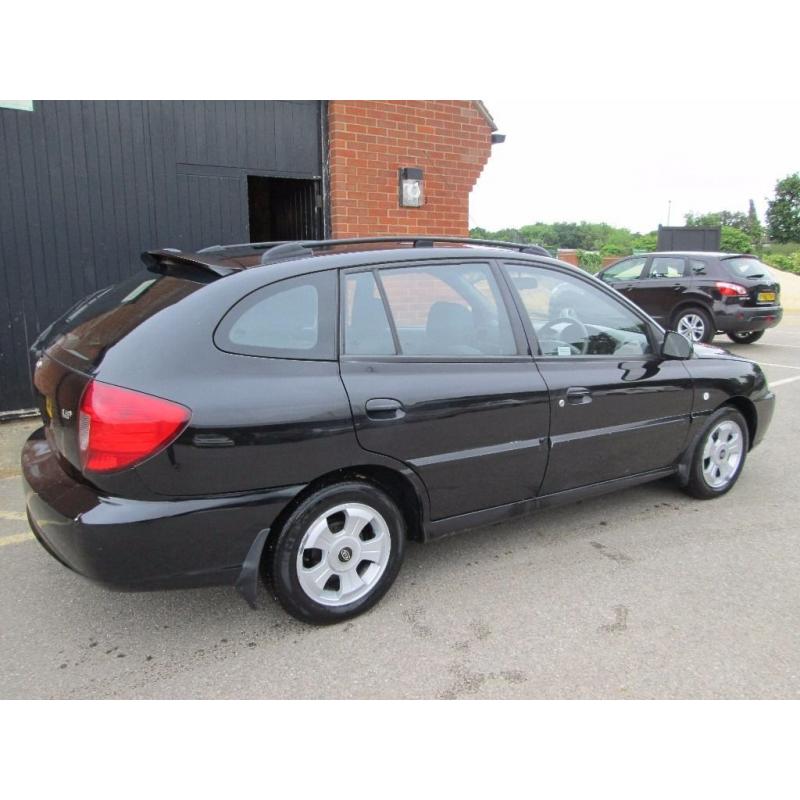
(343, 554)
(692, 327)
(722, 454)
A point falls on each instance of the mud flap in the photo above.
(247, 582)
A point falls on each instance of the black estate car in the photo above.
(303, 409)
(700, 294)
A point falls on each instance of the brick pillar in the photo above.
(369, 141)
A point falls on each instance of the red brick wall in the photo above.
(369, 141)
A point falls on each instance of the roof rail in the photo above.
(304, 247)
(221, 248)
(157, 260)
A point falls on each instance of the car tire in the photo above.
(745, 337)
(338, 553)
(695, 324)
(719, 455)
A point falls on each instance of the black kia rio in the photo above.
(300, 410)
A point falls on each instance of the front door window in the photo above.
(571, 317)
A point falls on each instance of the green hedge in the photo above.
(788, 263)
(590, 261)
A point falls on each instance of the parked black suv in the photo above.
(305, 408)
(700, 294)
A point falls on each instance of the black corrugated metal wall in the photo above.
(85, 186)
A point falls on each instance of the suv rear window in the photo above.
(82, 336)
(746, 267)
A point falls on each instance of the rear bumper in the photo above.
(735, 319)
(141, 544)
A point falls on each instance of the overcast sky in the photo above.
(621, 162)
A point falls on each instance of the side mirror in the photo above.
(676, 346)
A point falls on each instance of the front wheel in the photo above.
(719, 456)
(338, 553)
(694, 324)
(745, 337)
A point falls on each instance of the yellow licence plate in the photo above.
(766, 297)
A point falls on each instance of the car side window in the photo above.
(366, 326)
(628, 270)
(448, 310)
(667, 267)
(572, 317)
(697, 267)
(293, 318)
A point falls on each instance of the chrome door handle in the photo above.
(578, 395)
(384, 408)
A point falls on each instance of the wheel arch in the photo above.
(741, 404)
(397, 485)
(692, 302)
(748, 410)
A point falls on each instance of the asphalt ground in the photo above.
(645, 593)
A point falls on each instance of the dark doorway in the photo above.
(283, 208)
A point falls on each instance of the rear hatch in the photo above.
(70, 351)
(756, 277)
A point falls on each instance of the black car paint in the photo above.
(665, 298)
(477, 440)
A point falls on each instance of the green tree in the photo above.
(754, 229)
(783, 212)
(646, 242)
(734, 240)
(730, 219)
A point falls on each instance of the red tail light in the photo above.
(120, 427)
(731, 289)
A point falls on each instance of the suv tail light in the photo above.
(731, 289)
(120, 427)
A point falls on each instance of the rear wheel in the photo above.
(719, 456)
(695, 324)
(338, 553)
(745, 337)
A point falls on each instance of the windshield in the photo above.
(747, 267)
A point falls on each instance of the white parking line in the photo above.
(773, 384)
(782, 366)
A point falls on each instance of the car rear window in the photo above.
(82, 336)
(744, 267)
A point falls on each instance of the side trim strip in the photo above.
(476, 452)
(611, 430)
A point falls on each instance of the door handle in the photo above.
(384, 408)
(578, 395)
(677, 287)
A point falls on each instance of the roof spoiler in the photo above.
(160, 260)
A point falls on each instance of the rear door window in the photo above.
(366, 325)
(293, 318)
(448, 310)
(666, 267)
